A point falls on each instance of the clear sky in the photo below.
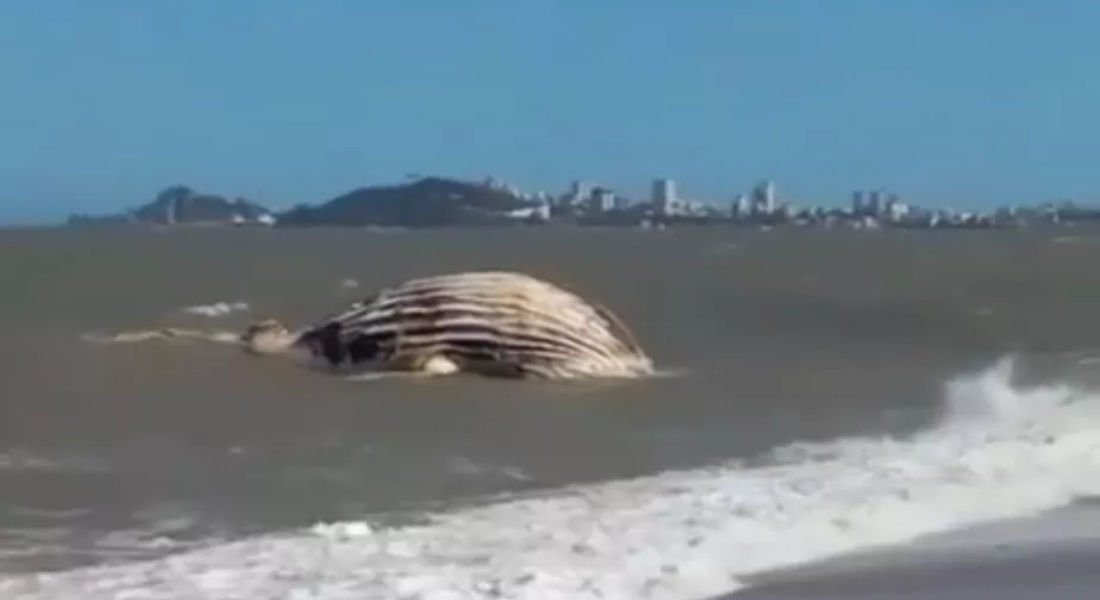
(967, 102)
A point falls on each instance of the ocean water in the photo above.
(841, 393)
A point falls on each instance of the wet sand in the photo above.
(1051, 556)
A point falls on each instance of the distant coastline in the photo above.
(435, 202)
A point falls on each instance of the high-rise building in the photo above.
(876, 204)
(763, 197)
(663, 196)
(857, 202)
(579, 191)
(741, 207)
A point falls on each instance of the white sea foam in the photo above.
(217, 309)
(22, 459)
(1000, 452)
(461, 465)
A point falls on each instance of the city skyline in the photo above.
(289, 102)
(664, 198)
(762, 197)
(584, 203)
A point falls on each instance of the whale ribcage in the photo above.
(507, 322)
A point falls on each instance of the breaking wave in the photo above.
(217, 309)
(998, 452)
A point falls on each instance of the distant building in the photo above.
(538, 212)
(741, 207)
(663, 196)
(763, 198)
(876, 203)
(602, 200)
(857, 202)
(580, 191)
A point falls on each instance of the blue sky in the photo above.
(968, 102)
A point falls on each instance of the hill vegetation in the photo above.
(428, 202)
(181, 205)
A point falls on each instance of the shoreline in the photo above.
(1051, 555)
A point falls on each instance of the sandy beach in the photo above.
(1049, 556)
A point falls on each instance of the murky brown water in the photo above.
(783, 336)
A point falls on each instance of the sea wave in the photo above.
(217, 309)
(998, 452)
(23, 459)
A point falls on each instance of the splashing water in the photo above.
(999, 452)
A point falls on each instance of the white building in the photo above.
(763, 199)
(579, 191)
(663, 196)
(741, 207)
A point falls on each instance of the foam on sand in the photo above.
(999, 452)
(162, 334)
